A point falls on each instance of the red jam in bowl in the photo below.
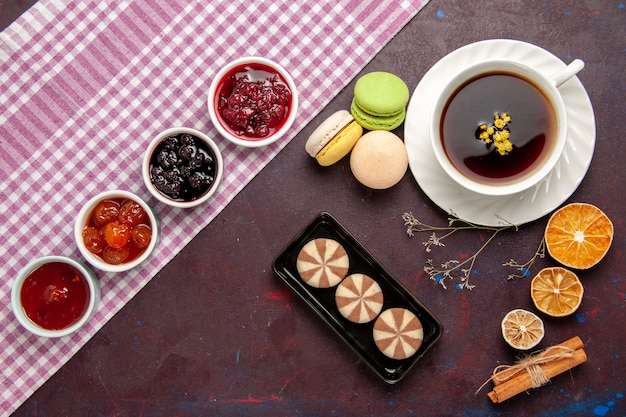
(253, 101)
(55, 295)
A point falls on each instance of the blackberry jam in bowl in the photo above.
(252, 101)
(182, 167)
(115, 231)
(54, 296)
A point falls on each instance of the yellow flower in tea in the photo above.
(498, 122)
(497, 134)
(504, 148)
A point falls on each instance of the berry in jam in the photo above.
(118, 238)
(183, 167)
(253, 100)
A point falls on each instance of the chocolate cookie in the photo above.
(359, 298)
(322, 263)
(398, 333)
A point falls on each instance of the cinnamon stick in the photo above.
(522, 382)
(574, 343)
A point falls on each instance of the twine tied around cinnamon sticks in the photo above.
(535, 370)
(531, 364)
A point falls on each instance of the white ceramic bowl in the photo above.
(217, 175)
(27, 323)
(216, 118)
(83, 219)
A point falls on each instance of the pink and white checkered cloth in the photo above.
(85, 85)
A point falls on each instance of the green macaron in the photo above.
(371, 122)
(380, 100)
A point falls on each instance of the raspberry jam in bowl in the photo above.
(182, 167)
(115, 231)
(54, 296)
(252, 101)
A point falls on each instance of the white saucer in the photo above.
(518, 208)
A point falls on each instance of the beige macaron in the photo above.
(379, 159)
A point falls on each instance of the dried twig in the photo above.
(448, 269)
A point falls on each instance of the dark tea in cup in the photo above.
(499, 127)
(532, 128)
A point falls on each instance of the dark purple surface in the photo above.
(10, 10)
(217, 333)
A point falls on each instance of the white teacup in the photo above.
(488, 174)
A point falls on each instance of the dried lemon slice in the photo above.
(578, 235)
(522, 329)
(556, 291)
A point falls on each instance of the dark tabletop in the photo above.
(217, 333)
